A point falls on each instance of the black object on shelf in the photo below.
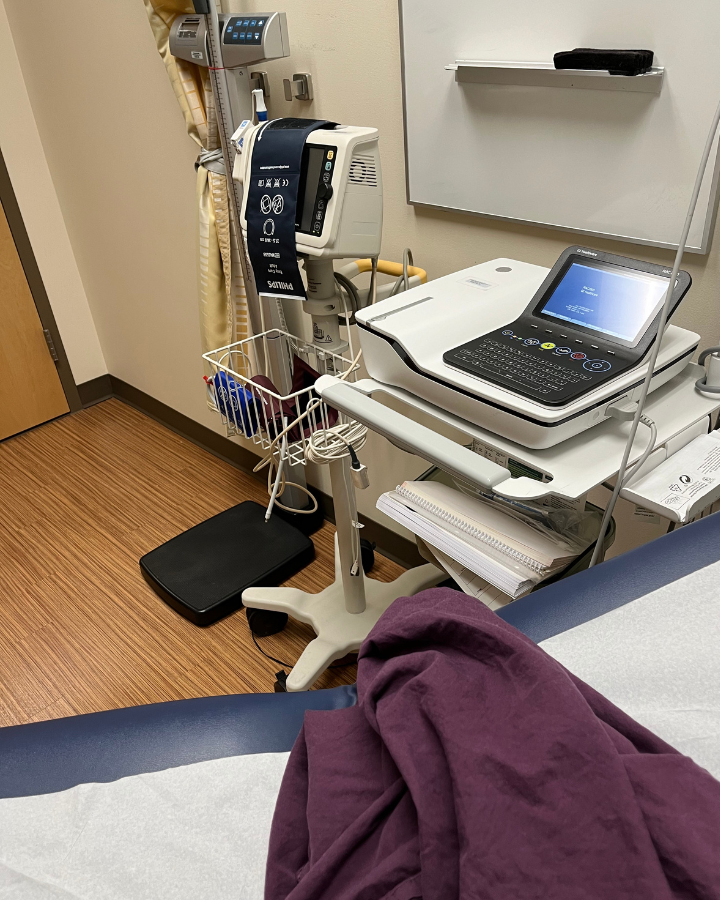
(616, 62)
(202, 572)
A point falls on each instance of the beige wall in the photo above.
(122, 167)
(23, 153)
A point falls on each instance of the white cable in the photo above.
(280, 480)
(646, 452)
(330, 444)
(311, 407)
(658, 340)
(356, 438)
(407, 261)
(348, 328)
(372, 293)
(403, 280)
(701, 384)
(625, 481)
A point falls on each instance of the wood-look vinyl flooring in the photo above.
(81, 500)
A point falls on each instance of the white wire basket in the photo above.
(245, 388)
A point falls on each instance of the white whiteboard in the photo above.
(610, 163)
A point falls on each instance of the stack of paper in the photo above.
(470, 583)
(506, 551)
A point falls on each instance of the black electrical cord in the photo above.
(287, 665)
(267, 655)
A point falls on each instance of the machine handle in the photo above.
(410, 435)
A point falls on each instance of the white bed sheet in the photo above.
(197, 832)
(658, 659)
(200, 832)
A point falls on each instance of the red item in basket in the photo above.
(304, 376)
(274, 410)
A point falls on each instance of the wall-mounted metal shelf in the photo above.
(540, 74)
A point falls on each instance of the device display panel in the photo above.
(315, 159)
(614, 301)
(318, 166)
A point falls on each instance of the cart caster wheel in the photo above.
(265, 622)
(367, 551)
(280, 686)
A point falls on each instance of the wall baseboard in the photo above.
(95, 391)
(389, 543)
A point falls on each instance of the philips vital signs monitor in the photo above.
(594, 316)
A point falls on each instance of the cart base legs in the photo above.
(338, 631)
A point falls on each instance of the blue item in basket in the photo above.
(235, 402)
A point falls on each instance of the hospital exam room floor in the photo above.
(83, 498)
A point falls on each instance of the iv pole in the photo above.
(264, 313)
(226, 127)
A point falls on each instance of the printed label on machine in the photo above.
(552, 501)
(272, 205)
(516, 468)
(690, 479)
(648, 515)
(519, 470)
(477, 283)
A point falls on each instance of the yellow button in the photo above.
(547, 346)
(330, 154)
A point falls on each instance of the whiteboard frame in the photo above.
(710, 218)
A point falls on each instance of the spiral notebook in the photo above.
(504, 550)
(468, 582)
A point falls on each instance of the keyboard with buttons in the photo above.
(545, 371)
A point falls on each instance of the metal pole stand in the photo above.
(343, 614)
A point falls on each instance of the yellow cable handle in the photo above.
(391, 268)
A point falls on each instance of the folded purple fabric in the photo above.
(475, 766)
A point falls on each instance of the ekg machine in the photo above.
(533, 355)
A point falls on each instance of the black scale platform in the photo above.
(202, 572)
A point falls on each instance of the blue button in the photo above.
(257, 35)
(328, 166)
(507, 331)
(531, 342)
(597, 365)
(563, 351)
(261, 22)
(253, 23)
(241, 36)
(246, 23)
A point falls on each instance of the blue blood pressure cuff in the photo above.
(271, 207)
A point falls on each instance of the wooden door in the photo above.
(30, 388)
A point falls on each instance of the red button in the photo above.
(577, 356)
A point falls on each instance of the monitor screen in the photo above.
(616, 301)
(315, 157)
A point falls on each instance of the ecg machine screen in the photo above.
(619, 302)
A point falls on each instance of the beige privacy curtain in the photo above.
(223, 302)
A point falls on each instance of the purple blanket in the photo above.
(475, 766)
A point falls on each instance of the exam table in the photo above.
(55, 755)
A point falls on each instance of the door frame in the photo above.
(36, 285)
